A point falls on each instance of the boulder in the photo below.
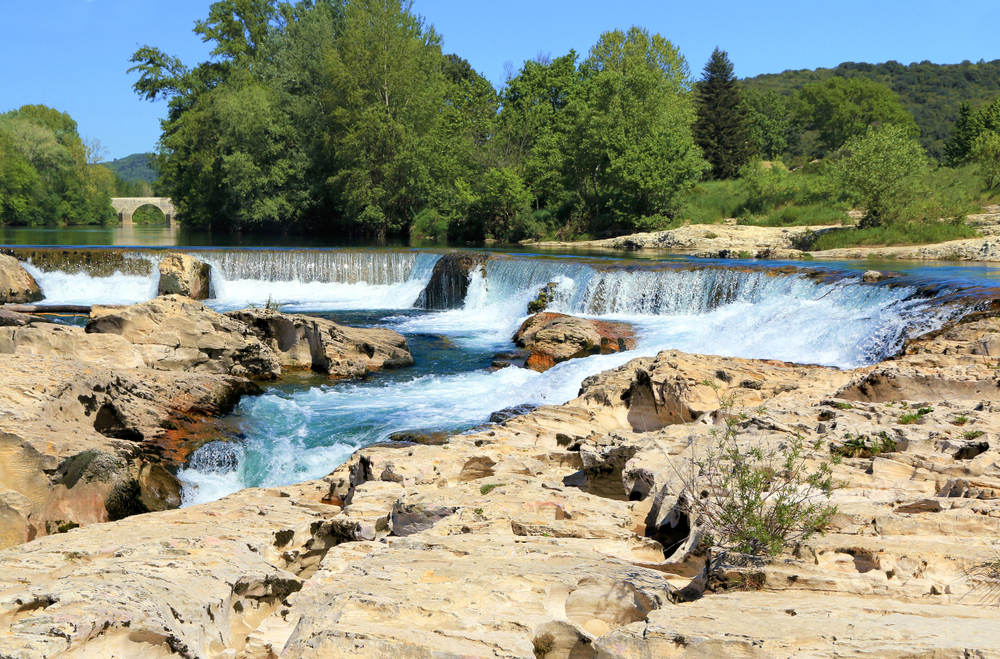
(325, 346)
(175, 333)
(181, 274)
(449, 282)
(17, 286)
(554, 338)
(85, 442)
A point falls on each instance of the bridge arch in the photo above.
(127, 206)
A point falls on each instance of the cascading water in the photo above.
(824, 316)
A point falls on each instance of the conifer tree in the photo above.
(722, 129)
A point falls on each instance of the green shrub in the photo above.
(882, 172)
(486, 489)
(756, 499)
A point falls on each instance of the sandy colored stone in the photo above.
(561, 533)
(17, 286)
(176, 333)
(553, 338)
(182, 274)
(83, 442)
(61, 340)
(326, 346)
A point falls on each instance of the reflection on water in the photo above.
(159, 235)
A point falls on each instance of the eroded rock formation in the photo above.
(553, 338)
(562, 533)
(325, 346)
(17, 286)
(182, 274)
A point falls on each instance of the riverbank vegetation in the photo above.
(49, 174)
(346, 117)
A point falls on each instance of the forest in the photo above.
(347, 118)
(49, 174)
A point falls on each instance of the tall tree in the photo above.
(387, 88)
(767, 116)
(963, 135)
(722, 129)
(841, 108)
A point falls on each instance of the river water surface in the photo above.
(302, 428)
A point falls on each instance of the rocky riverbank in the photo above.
(745, 241)
(559, 533)
(94, 421)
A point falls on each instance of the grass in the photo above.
(960, 420)
(863, 446)
(486, 489)
(913, 417)
(972, 434)
(911, 233)
(814, 214)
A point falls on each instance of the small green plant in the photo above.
(913, 417)
(864, 446)
(843, 406)
(743, 254)
(478, 512)
(711, 234)
(972, 434)
(270, 305)
(759, 498)
(960, 420)
(486, 489)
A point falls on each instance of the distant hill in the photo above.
(932, 92)
(133, 168)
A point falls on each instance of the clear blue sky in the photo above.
(73, 54)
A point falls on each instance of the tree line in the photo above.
(347, 118)
(49, 174)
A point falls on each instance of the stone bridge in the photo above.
(127, 206)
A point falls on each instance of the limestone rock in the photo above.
(65, 340)
(182, 274)
(176, 333)
(554, 338)
(200, 582)
(324, 346)
(83, 442)
(449, 281)
(17, 286)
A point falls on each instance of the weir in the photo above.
(459, 311)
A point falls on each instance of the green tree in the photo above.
(767, 116)
(632, 152)
(986, 153)
(722, 129)
(882, 172)
(963, 133)
(19, 184)
(386, 92)
(841, 108)
(968, 127)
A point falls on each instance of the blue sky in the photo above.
(73, 54)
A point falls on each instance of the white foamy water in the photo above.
(80, 288)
